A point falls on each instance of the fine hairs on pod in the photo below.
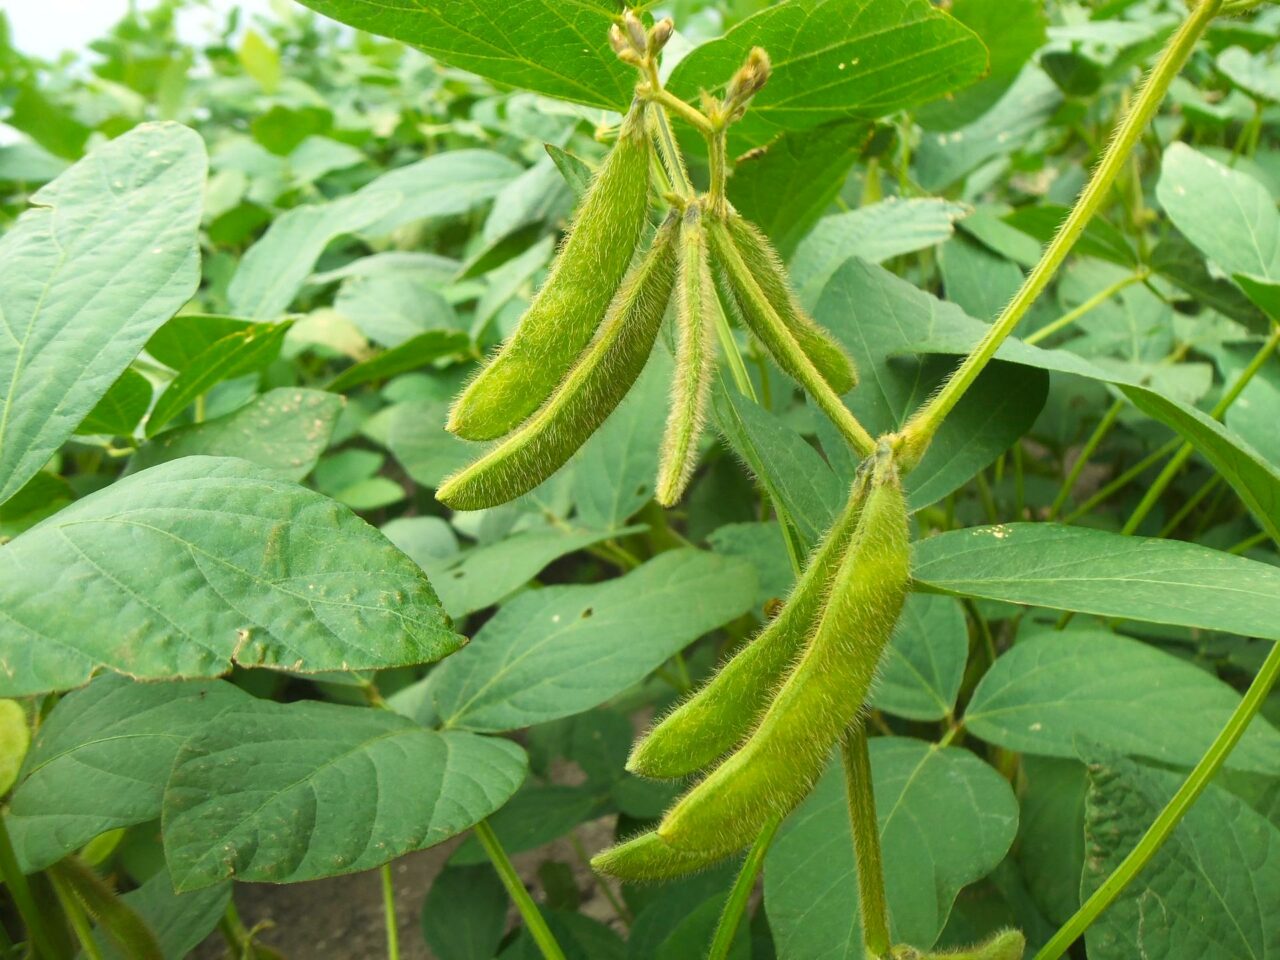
(720, 715)
(825, 690)
(586, 397)
(571, 304)
(695, 360)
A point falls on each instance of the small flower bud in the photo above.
(617, 39)
(659, 35)
(635, 32)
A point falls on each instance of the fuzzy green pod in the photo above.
(1005, 945)
(720, 715)
(568, 310)
(774, 770)
(591, 391)
(695, 360)
(835, 365)
(646, 858)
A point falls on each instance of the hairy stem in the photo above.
(736, 905)
(924, 424)
(1172, 813)
(865, 827)
(534, 922)
(15, 881)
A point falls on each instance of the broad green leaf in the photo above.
(977, 279)
(612, 476)
(786, 464)
(100, 761)
(761, 545)
(107, 255)
(1057, 689)
(879, 317)
(373, 493)
(392, 309)
(275, 268)
(558, 651)
(540, 45)
(417, 438)
(413, 354)
(481, 577)
(190, 566)
(1106, 574)
(921, 671)
(121, 408)
(180, 921)
(1011, 30)
(787, 185)
(15, 738)
(1253, 74)
(288, 792)
(465, 913)
(186, 336)
(1227, 214)
(260, 60)
(835, 60)
(923, 796)
(1210, 891)
(285, 430)
(43, 495)
(1050, 845)
(234, 355)
(536, 815)
(876, 233)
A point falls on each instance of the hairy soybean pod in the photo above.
(695, 360)
(766, 266)
(720, 715)
(646, 858)
(568, 309)
(591, 391)
(774, 770)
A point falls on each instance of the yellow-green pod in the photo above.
(645, 858)
(695, 360)
(777, 766)
(569, 307)
(826, 353)
(591, 391)
(719, 716)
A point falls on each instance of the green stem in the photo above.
(672, 159)
(77, 918)
(736, 905)
(534, 922)
(1090, 446)
(15, 881)
(1166, 477)
(924, 424)
(389, 913)
(1097, 300)
(1186, 509)
(1139, 468)
(1248, 543)
(873, 903)
(1172, 813)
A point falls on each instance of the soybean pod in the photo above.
(774, 770)
(822, 349)
(591, 391)
(695, 360)
(720, 715)
(647, 858)
(569, 308)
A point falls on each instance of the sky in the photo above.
(46, 28)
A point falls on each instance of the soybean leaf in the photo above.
(275, 268)
(873, 233)
(1050, 845)
(538, 814)
(43, 494)
(234, 355)
(285, 430)
(784, 187)
(100, 761)
(130, 208)
(288, 792)
(180, 921)
(1207, 892)
(921, 671)
(561, 650)
(391, 309)
(414, 353)
(186, 336)
(832, 60)
(1056, 689)
(922, 792)
(417, 438)
(465, 913)
(1251, 73)
(247, 578)
(537, 45)
(483, 576)
(121, 408)
(762, 545)
(1106, 574)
